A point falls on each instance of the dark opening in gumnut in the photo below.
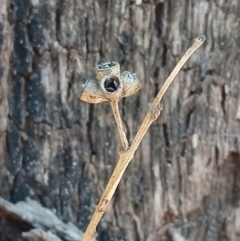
(111, 84)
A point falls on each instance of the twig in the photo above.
(115, 109)
(125, 157)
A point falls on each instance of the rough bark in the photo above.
(28, 220)
(184, 182)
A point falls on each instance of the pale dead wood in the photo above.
(116, 113)
(125, 157)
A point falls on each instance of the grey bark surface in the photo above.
(184, 181)
(36, 220)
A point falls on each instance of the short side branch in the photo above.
(118, 120)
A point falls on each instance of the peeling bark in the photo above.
(29, 220)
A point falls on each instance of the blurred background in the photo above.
(184, 180)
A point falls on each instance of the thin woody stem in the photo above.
(125, 157)
(115, 109)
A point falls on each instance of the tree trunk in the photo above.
(184, 181)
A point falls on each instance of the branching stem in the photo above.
(125, 157)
